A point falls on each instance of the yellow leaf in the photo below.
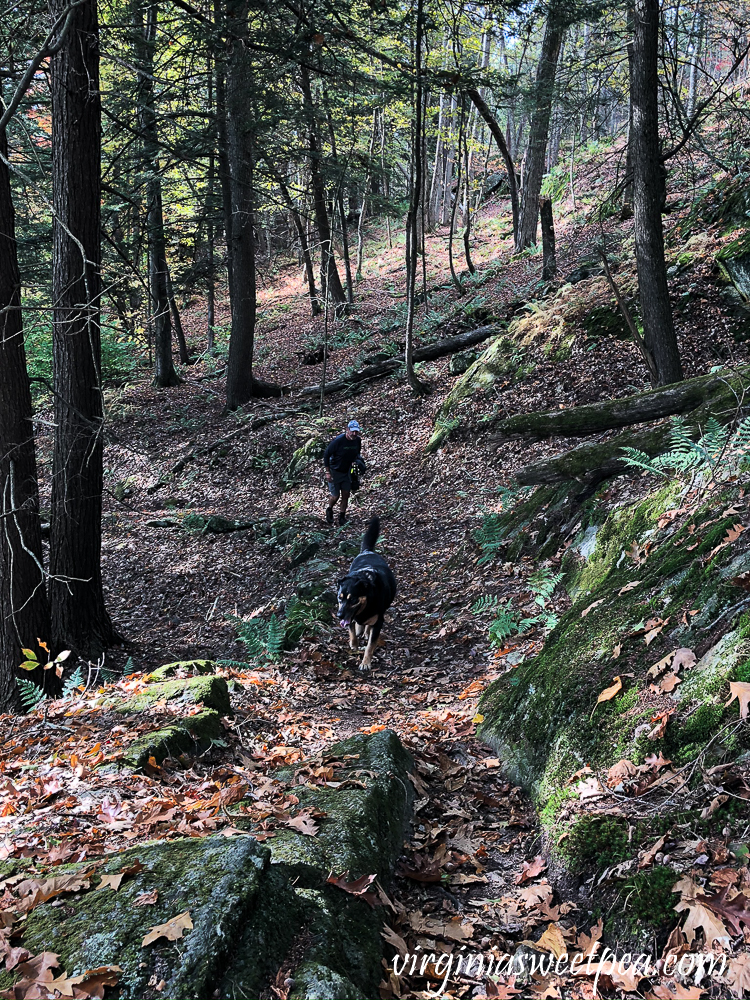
(478, 718)
(29, 665)
(29, 654)
(553, 940)
(609, 693)
(172, 930)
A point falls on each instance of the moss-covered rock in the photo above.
(543, 717)
(215, 879)
(182, 668)
(248, 904)
(210, 691)
(186, 735)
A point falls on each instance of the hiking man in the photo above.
(338, 458)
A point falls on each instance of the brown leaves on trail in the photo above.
(741, 691)
(146, 898)
(676, 659)
(734, 911)
(500, 991)
(420, 868)
(32, 892)
(661, 719)
(629, 586)
(357, 888)
(699, 916)
(38, 981)
(530, 870)
(172, 930)
(639, 553)
(732, 535)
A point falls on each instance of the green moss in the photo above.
(595, 842)
(194, 732)
(742, 673)
(557, 799)
(192, 667)
(649, 899)
(210, 691)
(743, 626)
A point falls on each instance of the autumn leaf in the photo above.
(394, 940)
(304, 823)
(650, 854)
(358, 887)
(500, 991)
(629, 586)
(683, 657)
(146, 898)
(738, 975)
(616, 651)
(172, 930)
(699, 916)
(741, 691)
(619, 771)
(735, 910)
(592, 606)
(420, 868)
(111, 881)
(552, 940)
(609, 693)
(661, 719)
(530, 870)
(672, 990)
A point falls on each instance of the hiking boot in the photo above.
(342, 518)
(329, 515)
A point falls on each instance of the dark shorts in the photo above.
(339, 481)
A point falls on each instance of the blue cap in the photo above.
(353, 426)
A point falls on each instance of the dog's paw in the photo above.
(365, 666)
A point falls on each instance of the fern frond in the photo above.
(640, 460)
(31, 695)
(487, 602)
(74, 681)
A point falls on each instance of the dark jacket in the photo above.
(341, 453)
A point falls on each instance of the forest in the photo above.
(503, 251)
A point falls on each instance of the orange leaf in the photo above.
(172, 930)
(609, 693)
(741, 691)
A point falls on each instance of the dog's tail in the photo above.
(371, 535)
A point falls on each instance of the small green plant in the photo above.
(596, 841)
(506, 622)
(719, 452)
(74, 681)
(31, 695)
(649, 899)
(263, 638)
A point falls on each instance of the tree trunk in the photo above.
(330, 282)
(497, 134)
(164, 370)
(538, 132)
(79, 618)
(221, 140)
(185, 358)
(594, 418)
(549, 257)
(648, 195)
(23, 593)
(301, 234)
(365, 195)
(415, 197)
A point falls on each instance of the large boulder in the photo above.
(247, 903)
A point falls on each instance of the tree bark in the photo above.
(648, 196)
(330, 281)
(549, 257)
(185, 358)
(23, 593)
(165, 374)
(536, 149)
(79, 617)
(301, 234)
(498, 136)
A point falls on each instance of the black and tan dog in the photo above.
(366, 593)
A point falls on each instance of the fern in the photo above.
(74, 681)
(489, 535)
(542, 584)
(504, 625)
(717, 454)
(31, 695)
(486, 602)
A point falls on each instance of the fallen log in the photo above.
(594, 418)
(428, 353)
(592, 463)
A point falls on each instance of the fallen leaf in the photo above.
(668, 683)
(552, 940)
(616, 651)
(738, 975)
(358, 887)
(741, 691)
(699, 917)
(592, 606)
(172, 930)
(146, 898)
(304, 823)
(394, 940)
(650, 854)
(629, 586)
(661, 719)
(609, 693)
(672, 990)
(530, 870)
(111, 881)
(735, 910)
